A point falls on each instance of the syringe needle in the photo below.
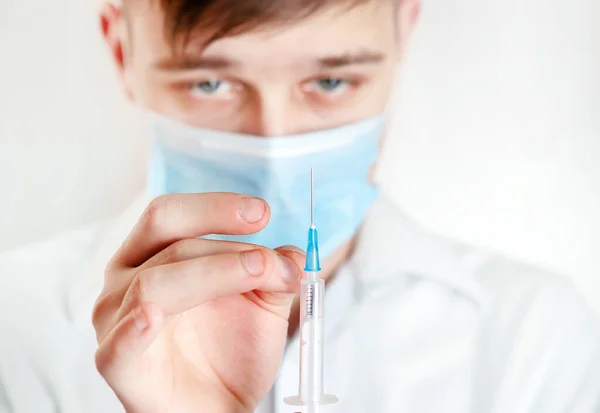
(312, 199)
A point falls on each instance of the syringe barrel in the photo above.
(312, 291)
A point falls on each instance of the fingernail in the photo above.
(140, 320)
(252, 209)
(290, 270)
(253, 262)
(291, 248)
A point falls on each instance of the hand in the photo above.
(189, 325)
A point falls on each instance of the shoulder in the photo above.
(393, 243)
(43, 268)
(525, 304)
(532, 295)
(539, 340)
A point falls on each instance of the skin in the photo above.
(191, 325)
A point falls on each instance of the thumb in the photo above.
(294, 253)
(281, 301)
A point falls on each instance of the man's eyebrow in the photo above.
(176, 63)
(348, 59)
(186, 62)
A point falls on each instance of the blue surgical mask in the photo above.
(186, 159)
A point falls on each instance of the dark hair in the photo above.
(222, 18)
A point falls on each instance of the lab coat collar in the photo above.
(390, 245)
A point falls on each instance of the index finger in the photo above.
(171, 218)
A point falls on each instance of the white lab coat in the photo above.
(414, 323)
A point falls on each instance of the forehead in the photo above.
(330, 31)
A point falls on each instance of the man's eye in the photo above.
(330, 85)
(210, 88)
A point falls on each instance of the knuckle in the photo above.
(109, 268)
(180, 250)
(139, 292)
(103, 361)
(156, 212)
(99, 311)
(103, 313)
(108, 355)
(271, 259)
(213, 202)
(109, 301)
(144, 284)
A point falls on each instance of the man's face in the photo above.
(332, 68)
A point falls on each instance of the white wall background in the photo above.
(498, 136)
(497, 139)
(69, 152)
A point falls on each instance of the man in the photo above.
(199, 300)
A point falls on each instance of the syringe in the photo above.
(312, 292)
